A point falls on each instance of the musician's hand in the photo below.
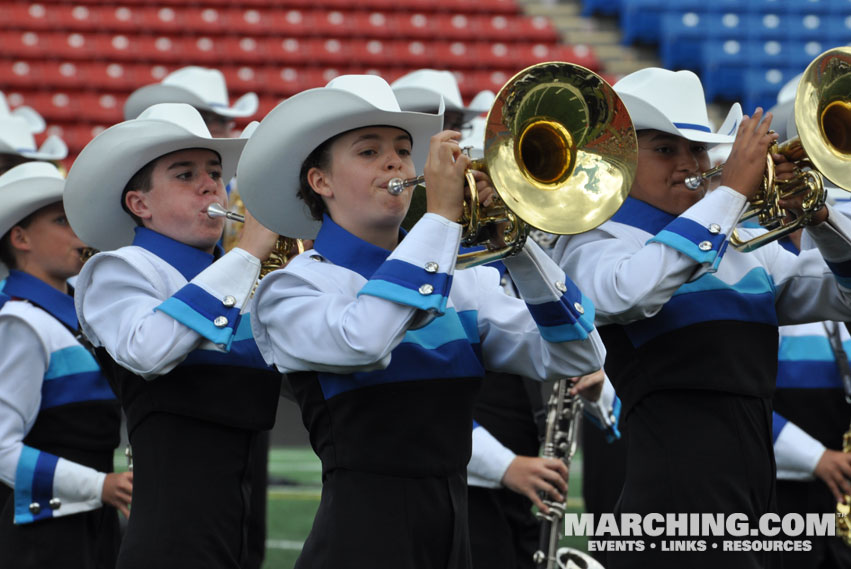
(486, 194)
(834, 468)
(529, 475)
(795, 204)
(444, 175)
(589, 386)
(745, 166)
(118, 491)
(256, 238)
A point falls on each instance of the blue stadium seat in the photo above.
(641, 20)
(722, 69)
(682, 36)
(762, 85)
(603, 7)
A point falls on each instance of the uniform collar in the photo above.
(347, 250)
(188, 260)
(27, 287)
(642, 215)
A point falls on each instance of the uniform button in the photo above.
(317, 257)
(705, 246)
(35, 508)
(714, 228)
(431, 267)
(579, 308)
(54, 503)
(426, 289)
(561, 286)
(220, 322)
(229, 301)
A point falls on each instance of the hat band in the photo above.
(691, 126)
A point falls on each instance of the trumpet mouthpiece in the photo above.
(395, 186)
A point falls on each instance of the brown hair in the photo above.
(7, 253)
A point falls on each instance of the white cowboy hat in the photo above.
(269, 169)
(673, 102)
(416, 92)
(101, 171)
(203, 88)
(25, 189)
(16, 137)
(33, 118)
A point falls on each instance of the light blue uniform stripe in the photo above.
(684, 246)
(70, 361)
(24, 475)
(808, 348)
(404, 295)
(439, 332)
(756, 281)
(184, 314)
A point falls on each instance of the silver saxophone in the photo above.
(564, 412)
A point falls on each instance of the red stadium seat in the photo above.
(292, 23)
(244, 50)
(21, 73)
(288, 51)
(122, 18)
(205, 20)
(25, 16)
(378, 24)
(101, 107)
(53, 105)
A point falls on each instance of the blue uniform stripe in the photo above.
(411, 362)
(203, 324)
(75, 388)
(756, 281)
(70, 361)
(777, 424)
(705, 306)
(34, 483)
(687, 243)
(435, 302)
(561, 322)
(808, 375)
(844, 282)
(411, 276)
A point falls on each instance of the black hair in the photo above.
(7, 253)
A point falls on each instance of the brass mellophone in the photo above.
(280, 255)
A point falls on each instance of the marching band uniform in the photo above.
(172, 319)
(59, 419)
(385, 349)
(691, 330)
(811, 415)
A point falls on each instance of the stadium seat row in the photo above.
(451, 6)
(250, 50)
(614, 7)
(281, 22)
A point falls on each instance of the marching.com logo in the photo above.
(699, 532)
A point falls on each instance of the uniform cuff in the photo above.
(489, 460)
(796, 453)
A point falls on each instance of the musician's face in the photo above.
(183, 185)
(354, 187)
(47, 247)
(664, 162)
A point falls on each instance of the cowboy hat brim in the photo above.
(646, 116)
(148, 95)
(101, 171)
(269, 168)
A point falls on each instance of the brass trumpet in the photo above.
(561, 152)
(280, 255)
(821, 149)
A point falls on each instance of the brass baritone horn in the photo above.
(561, 152)
(280, 255)
(821, 149)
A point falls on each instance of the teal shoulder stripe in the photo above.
(684, 246)
(447, 328)
(470, 322)
(756, 281)
(844, 282)
(563, 333)
(184, 314)
(404, 295)
(70, 360)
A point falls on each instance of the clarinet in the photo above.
(563, 414)
(564, 411)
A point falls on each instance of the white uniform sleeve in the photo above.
(306, 319)
(796, 453)
(632, 279)
(488, 461)
(127, 307)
